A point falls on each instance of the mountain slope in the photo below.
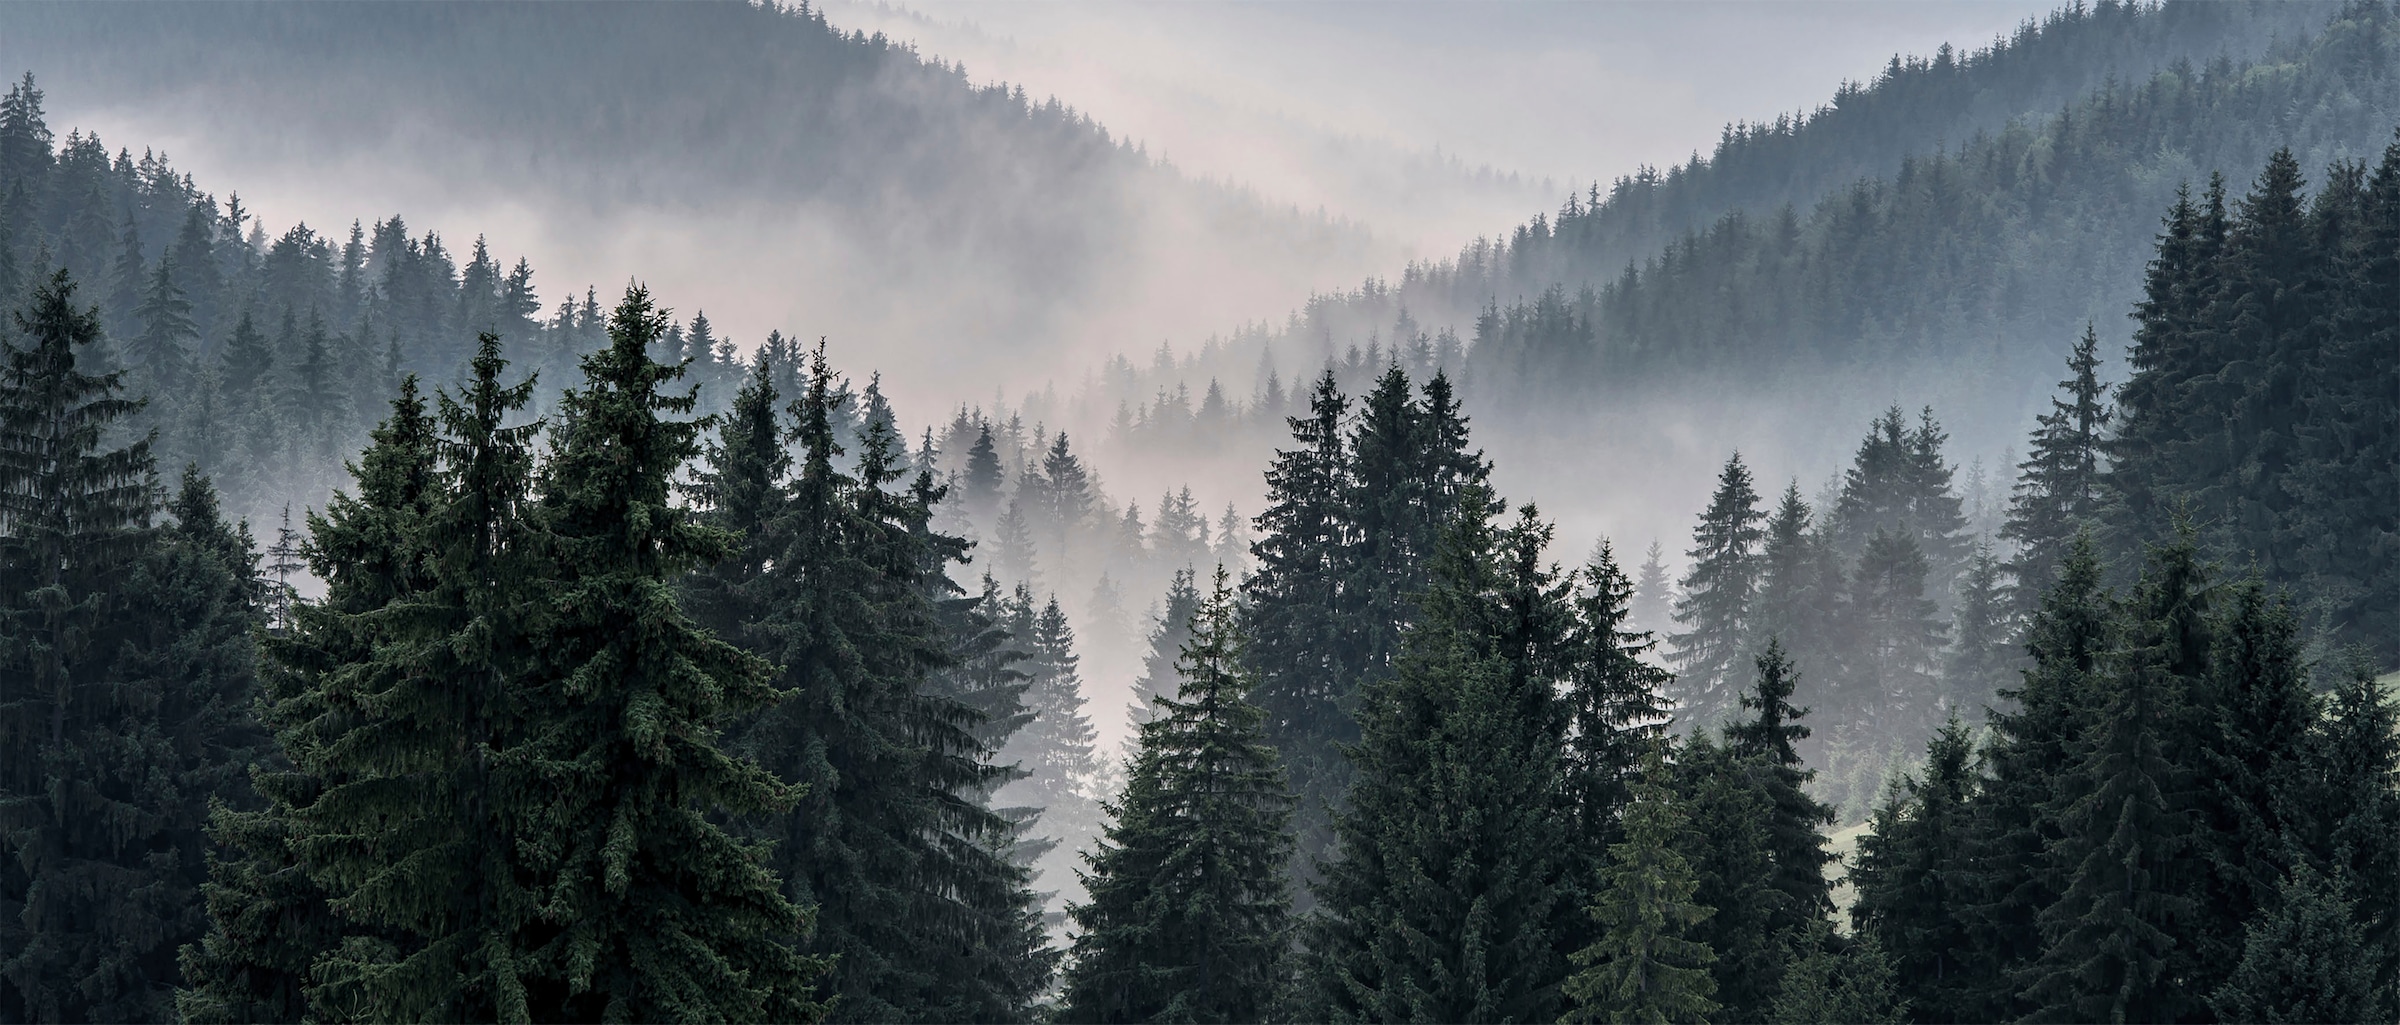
(753, 159)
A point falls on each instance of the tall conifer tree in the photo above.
(1303, 648)
(1443, 901)
(1645, 967)
(125, 683)
(1189, 916)
(2112, 947)
(2058, 485)
(1718, 592)
(1915, 878)
(655, 912)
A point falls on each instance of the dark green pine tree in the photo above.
(1390, 540)
(1915, 880)
(1645, 966)
(1189, 917)
(269, 920)
(1715, 607)
(2306, 958)
(651, 909)
(2115, 946)
(125, 683)
(2058, 485)
(2268, 313)
(1616, 707)
(2358, 755)
(1302, 647)
(2255, 772)
(2342, 525)
(1795, 822)
(1727, 847)
(2033, 747)
(1451, 869)
(918, 902)
(1830, 980)
(410, 829)
(2165, 409)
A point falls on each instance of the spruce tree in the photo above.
(1645, 967)
(1615, 703)
(1188, 919)
(1727, 847)
(269, 918)
(405, 830)
(1013, 547)
(1894, 682)
(1898, 482)
(1792, 603)
(2358, 757)
(1830, 981)
(2254, 774)
(2058, 485)
(2174, 348)
(983, 475)
(2341, 525)
(2032, 749)
(1795, 821)
(1983, 652)
(652, 910)
(1915, 881)
(918, 903)
(2306, 958)
(125, 682)
(158, 349)
(1718, 591)
(1171, 631)
(1302, 645)
(1055, 748)
(1653, 596)
(1443, 901)
(2113, 946)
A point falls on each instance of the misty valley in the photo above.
(1931, 555)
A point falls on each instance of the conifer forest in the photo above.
(1931, 554)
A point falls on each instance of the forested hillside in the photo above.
(880, 192)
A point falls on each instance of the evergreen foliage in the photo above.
(1645, 967)
(1188, 919)
(126, 673)
(2306, 960)
(1914, 877)
(652, 911)
(1303, 643)
(2058, 486)
(1715, 606)
(1443, 899)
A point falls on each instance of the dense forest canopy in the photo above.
(381, 638)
